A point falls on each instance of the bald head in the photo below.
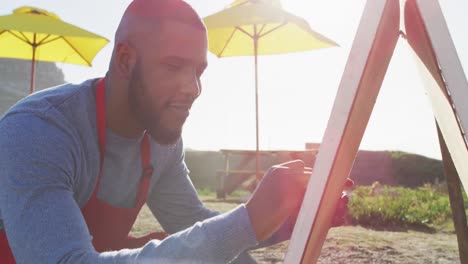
(141, 21)
(142, 15)
(165, 9)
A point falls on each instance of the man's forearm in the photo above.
(219, 239)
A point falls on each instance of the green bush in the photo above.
(399, 206)
(465, 198)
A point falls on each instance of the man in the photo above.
(77, 162)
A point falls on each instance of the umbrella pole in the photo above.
(257, 151)
(33, 64)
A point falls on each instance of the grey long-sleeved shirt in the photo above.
(49, 163)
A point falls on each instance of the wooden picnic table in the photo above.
(231, 178)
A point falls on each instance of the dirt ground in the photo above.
(351, 244)
(354, 244)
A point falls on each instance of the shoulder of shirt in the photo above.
(50, 99)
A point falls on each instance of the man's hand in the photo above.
(278, 194)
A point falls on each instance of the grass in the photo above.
(209, 195)
(205, 192)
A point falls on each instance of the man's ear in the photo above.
(125, 59)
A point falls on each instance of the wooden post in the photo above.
(221, 192)
(456, 200)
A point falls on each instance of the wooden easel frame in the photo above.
(447, 87)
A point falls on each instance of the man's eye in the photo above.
(173, 66)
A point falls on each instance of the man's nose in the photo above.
(192, 86)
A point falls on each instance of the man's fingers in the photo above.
(296, 165)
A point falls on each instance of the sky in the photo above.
(296, 91)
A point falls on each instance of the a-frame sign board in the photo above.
(372, 49)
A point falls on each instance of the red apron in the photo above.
(108, 225)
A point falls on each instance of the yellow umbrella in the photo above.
(35, 34)
(260, 27)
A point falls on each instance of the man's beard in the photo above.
(149, 119)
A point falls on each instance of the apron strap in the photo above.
(145, 156)
(147, 170)
(101, 126)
